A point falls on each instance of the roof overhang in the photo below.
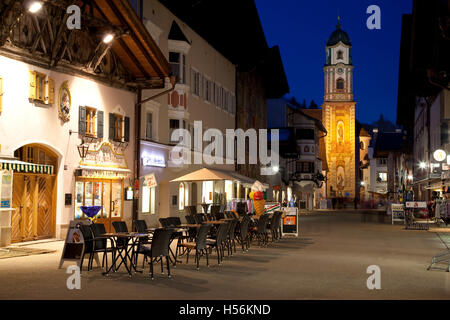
(135, 47)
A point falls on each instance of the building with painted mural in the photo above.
(67, 114)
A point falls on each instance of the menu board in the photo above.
(74, 245)
(6, 183)
(290, 221)
(398, 212)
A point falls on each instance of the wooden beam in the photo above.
(133, 36)
(133, 57)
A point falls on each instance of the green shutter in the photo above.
(127, 129)
(82, 120)
(111, 126)
(100, 124)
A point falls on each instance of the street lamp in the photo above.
(410, 177)
(422, 165)
(275, 168)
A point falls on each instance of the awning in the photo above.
(203, 175)
(206, 174)
(20, 166)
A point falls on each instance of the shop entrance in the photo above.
(34, 195)
(107, 193)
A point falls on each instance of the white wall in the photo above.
(22, 123)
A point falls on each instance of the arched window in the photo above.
(361, 145)
(340, 55)
(340, 84)
(183, 196)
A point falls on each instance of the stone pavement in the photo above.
(327, 261)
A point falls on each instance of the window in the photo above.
(174, 124)
(178, 65)
(183, 196)
(42, 88)
(118, 127)
(305, 134)
(207, 191)
(340, 84)
(361, 145)
(208, 90)
(149, 126)
(340, 55)
(90, 121)
(305, 167)
(381, 176)
(196, 83)
(148, 200)
(382, 161)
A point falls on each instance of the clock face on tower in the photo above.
(340, 71)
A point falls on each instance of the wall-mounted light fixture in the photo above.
(83, 148)
(35, 6)
(108, 38)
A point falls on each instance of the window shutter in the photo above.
(111, 126)
(32, 91)
(82, 120)
(100, 125)
(50, 90)
(127, 130)
(200, 85)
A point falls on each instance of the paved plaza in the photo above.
(328, 260)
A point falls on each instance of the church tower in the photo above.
(338, 115)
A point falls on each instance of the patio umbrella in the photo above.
(204, 175)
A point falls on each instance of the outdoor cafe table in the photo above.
(214, 222)
(123, 252)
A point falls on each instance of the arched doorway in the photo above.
(34, 194)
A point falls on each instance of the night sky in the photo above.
(302, 28)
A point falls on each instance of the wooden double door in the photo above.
(33, 201)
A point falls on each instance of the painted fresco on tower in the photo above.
(340, 132)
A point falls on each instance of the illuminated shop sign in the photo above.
(153, 160)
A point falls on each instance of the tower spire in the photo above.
(338, 26)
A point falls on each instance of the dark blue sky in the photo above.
(301, 29)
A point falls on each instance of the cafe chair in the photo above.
(120, 226)
(243, 234)
(215, 209)
(219, 242)
(199, 218)
(158, 249)
(88, 238)
(101, 244)
(260, 232)
(231, 240)
(200, 246)
(241, 208)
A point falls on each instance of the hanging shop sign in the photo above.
(64, 102)
(150, 181)
(439, 155)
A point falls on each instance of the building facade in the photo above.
(67, 117)
(338, 114)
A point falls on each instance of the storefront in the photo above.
(100, 181)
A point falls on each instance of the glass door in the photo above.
(100, 192)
